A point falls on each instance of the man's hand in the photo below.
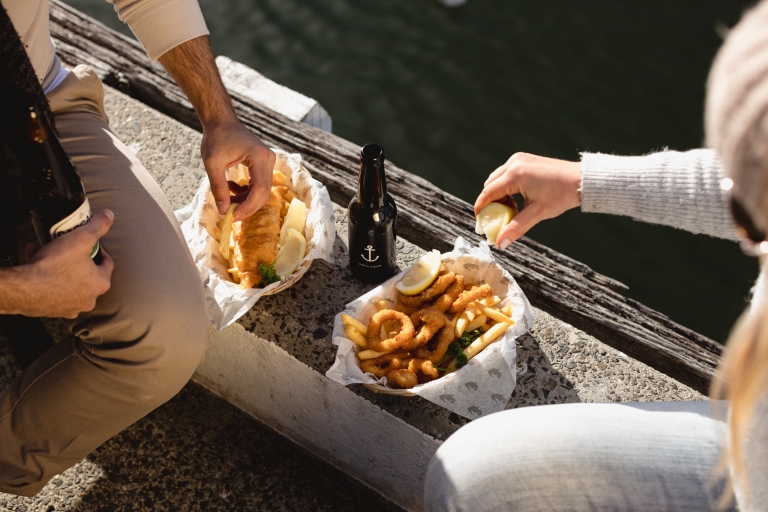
(230, 144)
(60, 280)
(549, 187)
(226, 141)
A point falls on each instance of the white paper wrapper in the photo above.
(485, 384)
(225, 300)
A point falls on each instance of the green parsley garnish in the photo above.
(268, 274)
(461, 360)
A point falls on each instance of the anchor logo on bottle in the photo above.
(370, 250)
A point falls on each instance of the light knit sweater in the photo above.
(681, 190)
(158, 24)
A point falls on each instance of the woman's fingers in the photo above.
(497, 191)
(519, 225)
(495, 174)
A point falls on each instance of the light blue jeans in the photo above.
(640, 456)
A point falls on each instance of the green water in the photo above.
(452, 93)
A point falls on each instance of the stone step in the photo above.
(197, 452)
(271, 363)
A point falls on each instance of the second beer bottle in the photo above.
(372, 221)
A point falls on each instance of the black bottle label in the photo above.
(371, 253)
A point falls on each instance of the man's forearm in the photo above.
(193, 67)
(15, 290)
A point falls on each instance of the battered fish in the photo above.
(255, 240)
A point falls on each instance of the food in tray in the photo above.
(491, 219)
(270, 243)
(428, 333)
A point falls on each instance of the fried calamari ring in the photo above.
(451, 294)
(476, 293)
(432, 321)
(381, 366)
(435, 289)
(405, 335)
(402, 379)
(424, 366)
(444, 338)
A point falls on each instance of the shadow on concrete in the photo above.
(538, 383)
(198, 452)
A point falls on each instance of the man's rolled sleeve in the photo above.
(162, 24)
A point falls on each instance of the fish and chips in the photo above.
(252, 246)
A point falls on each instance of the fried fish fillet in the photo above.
(255, 240)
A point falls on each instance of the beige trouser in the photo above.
(145, 337)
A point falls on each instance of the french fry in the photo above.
(497, 315)
(226, 231)
(370, 354)
(477, 322)
(356, 336)
(490, 301)
(354, 322)
(486, 327)
(290, 196)
(462, 322)
(217, 233)
(405, 309)
(480, 343)
(507, 310)
(384, 304)
(454, 321)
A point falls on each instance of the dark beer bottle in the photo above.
(372, 221)
(52, 190)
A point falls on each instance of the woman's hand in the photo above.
(549, 187)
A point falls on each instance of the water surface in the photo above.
(452, 93)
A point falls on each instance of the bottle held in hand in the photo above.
(52, 189)
(372, 221)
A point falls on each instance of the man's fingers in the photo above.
(107, 265)
(219, 189)
(99, 224)
(520, 224)
(260, 165)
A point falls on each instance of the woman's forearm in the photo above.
(678, 189)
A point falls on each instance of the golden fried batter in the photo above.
(256, 240)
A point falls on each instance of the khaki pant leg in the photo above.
(146, 336)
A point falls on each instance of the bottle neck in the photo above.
(372, 185)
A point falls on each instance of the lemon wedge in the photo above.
(421, 275)
(294, 219)
(491, 219)
(291, 253)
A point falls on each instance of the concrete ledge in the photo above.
(255, 86)
(342, 428)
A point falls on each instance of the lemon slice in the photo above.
(491, 219)
(291, 253)
(422, 274)
(294, 219)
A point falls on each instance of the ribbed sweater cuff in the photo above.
(161, 25)
(676, 189)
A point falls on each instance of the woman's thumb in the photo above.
(518, 226)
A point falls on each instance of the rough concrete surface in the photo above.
(199, 450)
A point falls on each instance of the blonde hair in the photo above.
(742, 380)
